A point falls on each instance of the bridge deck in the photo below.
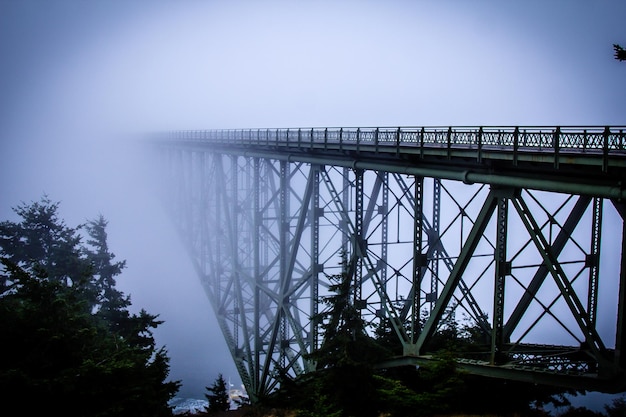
(586, 160)
(591, 145)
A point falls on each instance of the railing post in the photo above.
(376, 140)
(480, 145)
(557, 145)
(398, 141)
(449, 142)
(358, 138)
(341, 139)
(605, 149)
(325, 138)
(422, 133)
(515, 144)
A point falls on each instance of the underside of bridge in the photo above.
(513, 234)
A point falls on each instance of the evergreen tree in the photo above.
(104, 269)
(44, 246)
(59, 346)
(620, 52)
(346, 356)
(617, 408)
(218, 398)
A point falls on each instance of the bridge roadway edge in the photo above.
(578, 178)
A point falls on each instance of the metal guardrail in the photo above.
(579, 139)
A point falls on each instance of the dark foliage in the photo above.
(218, 397)
(69, 341)
(617, 408)
(580, 412)
(346, 378)
(443, 389)
(620, 52)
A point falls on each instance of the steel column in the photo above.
(502, 269)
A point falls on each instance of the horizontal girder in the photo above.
(579, 160)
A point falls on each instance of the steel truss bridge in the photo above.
(516, 232)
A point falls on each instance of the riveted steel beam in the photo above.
(569, 184)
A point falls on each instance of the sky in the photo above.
(81, 80)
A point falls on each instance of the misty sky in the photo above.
(81, 79)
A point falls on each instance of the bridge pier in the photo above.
(620, 337)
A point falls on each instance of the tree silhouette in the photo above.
(218, 398)
(68, 338)
(620, 53)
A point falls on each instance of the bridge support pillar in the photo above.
(410, 349)
(620, 337)
(501, 271)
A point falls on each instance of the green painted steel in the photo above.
(491, 226)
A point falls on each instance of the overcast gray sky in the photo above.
(79, 78)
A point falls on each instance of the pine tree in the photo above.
(68, 338)
(218, 398)
(620, 52)
(104, 268)
(347, 354)
(44, 246)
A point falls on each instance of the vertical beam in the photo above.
(232, 217)
(593, 260)
(383, 211)
(434, 242)
(245, 263)
(284, 258)
(358, 240)
(202, 214)
(419, 259)
(314, 215)
(501, 271)
(234, 210)
(620, 337)
(256, 239)
(384, 231)
(345, 206)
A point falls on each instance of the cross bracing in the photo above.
(515, 232)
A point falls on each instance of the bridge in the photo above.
(514, 232)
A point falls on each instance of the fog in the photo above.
(80, 81)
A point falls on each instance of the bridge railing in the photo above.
(605, 139)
